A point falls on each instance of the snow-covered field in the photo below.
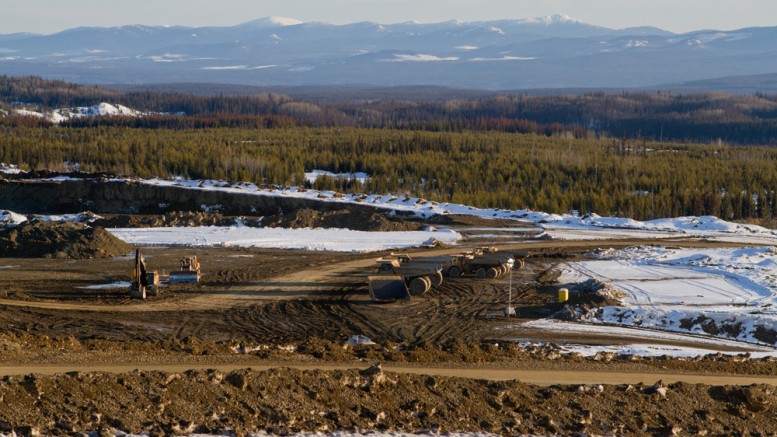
(726, 293)
(337, 240)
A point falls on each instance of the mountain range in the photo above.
(548, 52)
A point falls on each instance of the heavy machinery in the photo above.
(417, 277)
(487, 262)
(144, 283)
(189, 272)
(388, 288)
(479, 262)
(446, 262)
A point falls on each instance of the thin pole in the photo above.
(510, 288)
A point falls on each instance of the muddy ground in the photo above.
(283, 308)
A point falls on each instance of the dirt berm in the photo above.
(59, 240)
(129, 197)
(282, 401)
(358, 219)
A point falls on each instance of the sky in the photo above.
(50, 16)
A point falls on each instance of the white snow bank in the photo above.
(592, 226)
(9, 168)
(313, 175)
(336, 240)
(81, 217)
(653, 350)
(10, 218)
(704, 342)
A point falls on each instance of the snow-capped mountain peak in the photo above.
(284, 21)
(552, 19)
(273, 22)
(565, 53)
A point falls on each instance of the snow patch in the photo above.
(64, 114)
(81, 217)
(335, 240)
(119, 284)
(9, 169)
(551, 19)
(226, 67)
(312, 176)
(421, 58)
(505, 58)
(10, 218)
(284, 21)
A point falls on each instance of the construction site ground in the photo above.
(265, 309)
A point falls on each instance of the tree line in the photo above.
(626, 178)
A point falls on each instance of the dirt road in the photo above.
(530, 376)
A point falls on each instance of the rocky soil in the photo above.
(283, 400)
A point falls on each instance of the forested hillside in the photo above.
(608, 154)
(696, 118)
(626, 178)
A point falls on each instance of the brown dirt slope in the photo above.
(288, 400)
(60, 240)
(352, 218)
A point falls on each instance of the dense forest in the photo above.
(610, 177)
(479, 152)
(657, 116)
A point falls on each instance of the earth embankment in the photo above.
(133, 197)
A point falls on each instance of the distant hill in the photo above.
(765, 83)
(539, 53)
(692, 115)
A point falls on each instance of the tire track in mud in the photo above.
(327, 300)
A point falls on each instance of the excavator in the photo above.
(144, 283)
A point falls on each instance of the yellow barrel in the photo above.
(563, 295)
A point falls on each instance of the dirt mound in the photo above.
(170, 219)
(60, 240)
(586, 298)
(360, 220)
(284, 401)
(475, 221)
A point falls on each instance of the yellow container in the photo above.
(563, 295)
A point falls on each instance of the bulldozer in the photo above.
(189, 271)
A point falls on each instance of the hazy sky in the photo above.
(48, 16)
